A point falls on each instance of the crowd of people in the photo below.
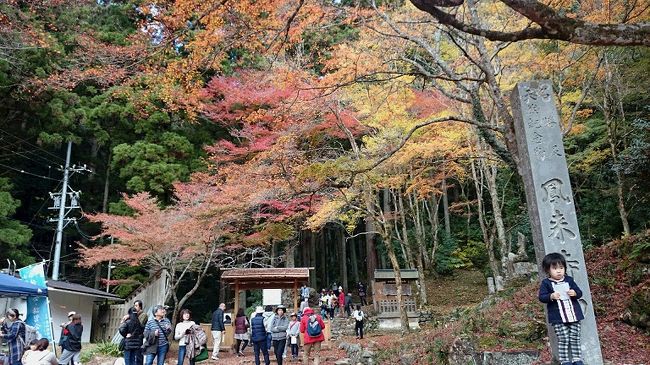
(26, 351)
(147, 339)
(274, 332)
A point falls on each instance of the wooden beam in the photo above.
(295, 296)
(236, 309)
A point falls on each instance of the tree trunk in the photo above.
(371, 249)
(491, 173)
(323, 257)
(415, 259)
(421, 252)
(312, 259)
(432, 213)
(206, 265)
(420, 235)
(388, 242)
(487, 239)
(343, 258)
(445, 207)
(612, 138)
(353, 262)
(290, 252)
(404, 320)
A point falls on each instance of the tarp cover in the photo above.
(11, 286)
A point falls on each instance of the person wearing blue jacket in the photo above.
(561, 293)
(258, 336)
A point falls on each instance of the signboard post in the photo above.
(38, 308)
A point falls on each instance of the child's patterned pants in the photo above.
(568, 337)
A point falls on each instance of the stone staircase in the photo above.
(341, 326)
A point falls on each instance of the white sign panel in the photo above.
(271, 296)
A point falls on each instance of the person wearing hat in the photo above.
(279, 327)
(64, 325)
(72, 344)
(258, 336)
(13, 331)
(293, 337)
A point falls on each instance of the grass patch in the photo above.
(90, 351)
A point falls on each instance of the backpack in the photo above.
(31, 334)
(313, 327)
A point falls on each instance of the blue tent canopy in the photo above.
(13, 287)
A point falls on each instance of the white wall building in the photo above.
(67, 297)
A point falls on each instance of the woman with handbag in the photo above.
(241, 331)
(133, 333)
(182, 330)
(155, 333)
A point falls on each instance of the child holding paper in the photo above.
(293, 332)
(561, 293)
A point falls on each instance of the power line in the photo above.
(27, 172)
(34, 152)
(33, 145)
(22, 154)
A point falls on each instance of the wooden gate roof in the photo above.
(266, 278)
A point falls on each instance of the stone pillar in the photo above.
(490, 284)
(498, 281)
(549, 197)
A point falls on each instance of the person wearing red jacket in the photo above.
(341, 301)
(309, 319)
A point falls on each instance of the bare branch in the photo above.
(552, 25)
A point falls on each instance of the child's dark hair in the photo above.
(551, 260)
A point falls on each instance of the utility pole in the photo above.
(110, 266)
(59, 225)
(60, 200)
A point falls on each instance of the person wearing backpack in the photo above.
(358, 318)
(13, 331)
(312, 327)
(72, 344)
(258, 336)
(132, 331)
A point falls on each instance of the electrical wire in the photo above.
(82, 234)
(46, 162)
(27, 172)
(33, 145)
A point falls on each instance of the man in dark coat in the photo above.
(217, 330)
(72, 343)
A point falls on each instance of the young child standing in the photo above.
(561, 293)
(358, 319)
(293, 332)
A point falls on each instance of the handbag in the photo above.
(201, 356)
(122, 344)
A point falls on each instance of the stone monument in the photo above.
(550, 199)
